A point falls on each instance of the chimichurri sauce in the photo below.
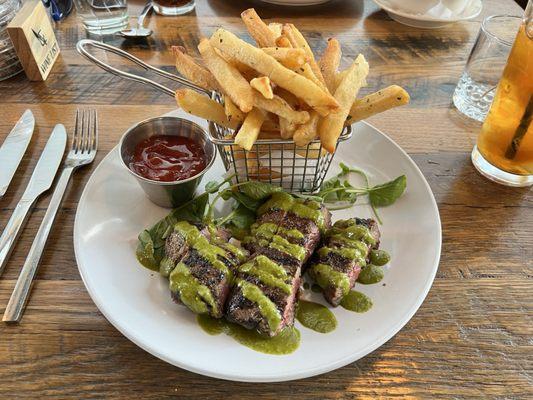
(371, 274)
(356, 301)
(145, 257)
(286, 342)
(379, 257)
(316, 317)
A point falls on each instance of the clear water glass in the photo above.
(173, 7)
(476, 88)
(102, 17)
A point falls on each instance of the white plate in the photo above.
(113, 210)
(472, 10)
(296, 3)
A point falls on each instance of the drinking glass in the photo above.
(102, 17)
(475, 91)
(173, 7)
(504, 150)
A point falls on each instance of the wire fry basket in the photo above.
(276, 161)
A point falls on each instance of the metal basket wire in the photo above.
(276, 161)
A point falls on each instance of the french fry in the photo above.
(298, 41)
(268, 135)
(306, 133)
(232, 111)
(262, 34)
(271, 125)
(263, 174)
(202, 106)
(288, 57)
(228, 77)
(250, 129)
(339, 76)
(312, 150)
(306, 70)
(374, 103)
(300, 86)
(283, 41)
(332, 125)
(190, 69)
(280, 107)
(329, 63)
(276, 28)
(263, 86)
(286, 128)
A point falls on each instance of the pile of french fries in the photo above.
(278, 89)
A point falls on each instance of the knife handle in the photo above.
(12, 230)
(19, 297)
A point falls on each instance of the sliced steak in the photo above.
(270, 215)
(244, 309)
(267, 286)
(176, 246)
(345, 250)
(203, 274)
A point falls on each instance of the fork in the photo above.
(82, 152)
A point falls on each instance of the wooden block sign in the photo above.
(33, 38)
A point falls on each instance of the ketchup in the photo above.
(168, 158)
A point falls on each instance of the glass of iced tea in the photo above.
(504, 150)
(173, 7)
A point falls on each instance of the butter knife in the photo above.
(41, 180)
(13, 149)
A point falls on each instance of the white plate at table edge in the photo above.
(429, 22)
(136, 335)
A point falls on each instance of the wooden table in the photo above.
(471, 337)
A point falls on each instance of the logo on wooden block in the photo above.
(33, 38)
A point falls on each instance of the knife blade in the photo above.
(13, 149)
(40, 181)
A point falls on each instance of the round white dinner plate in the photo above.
(472, 10)
(113, 210)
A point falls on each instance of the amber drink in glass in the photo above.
(504, 150)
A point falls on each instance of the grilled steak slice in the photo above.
(270, 215)
(267, 286)
(345, 250)
(264, 296)
(304, 227)
(176, 246)
(202, 277)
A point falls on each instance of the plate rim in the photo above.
(306, 373)
(420, 17)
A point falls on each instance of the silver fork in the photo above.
(82, 152)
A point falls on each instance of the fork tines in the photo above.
(85, 138)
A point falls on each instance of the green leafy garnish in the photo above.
(257, 190)
(238, 221)
(387, 193)
(336, 193)
(194, 210)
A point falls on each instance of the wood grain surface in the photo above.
(472, 337)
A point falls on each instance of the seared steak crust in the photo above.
(245, 312)
(338, 263)
(178, 249)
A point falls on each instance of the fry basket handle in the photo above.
(82, 45)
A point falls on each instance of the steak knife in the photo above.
(41, 180)
(13, 149)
